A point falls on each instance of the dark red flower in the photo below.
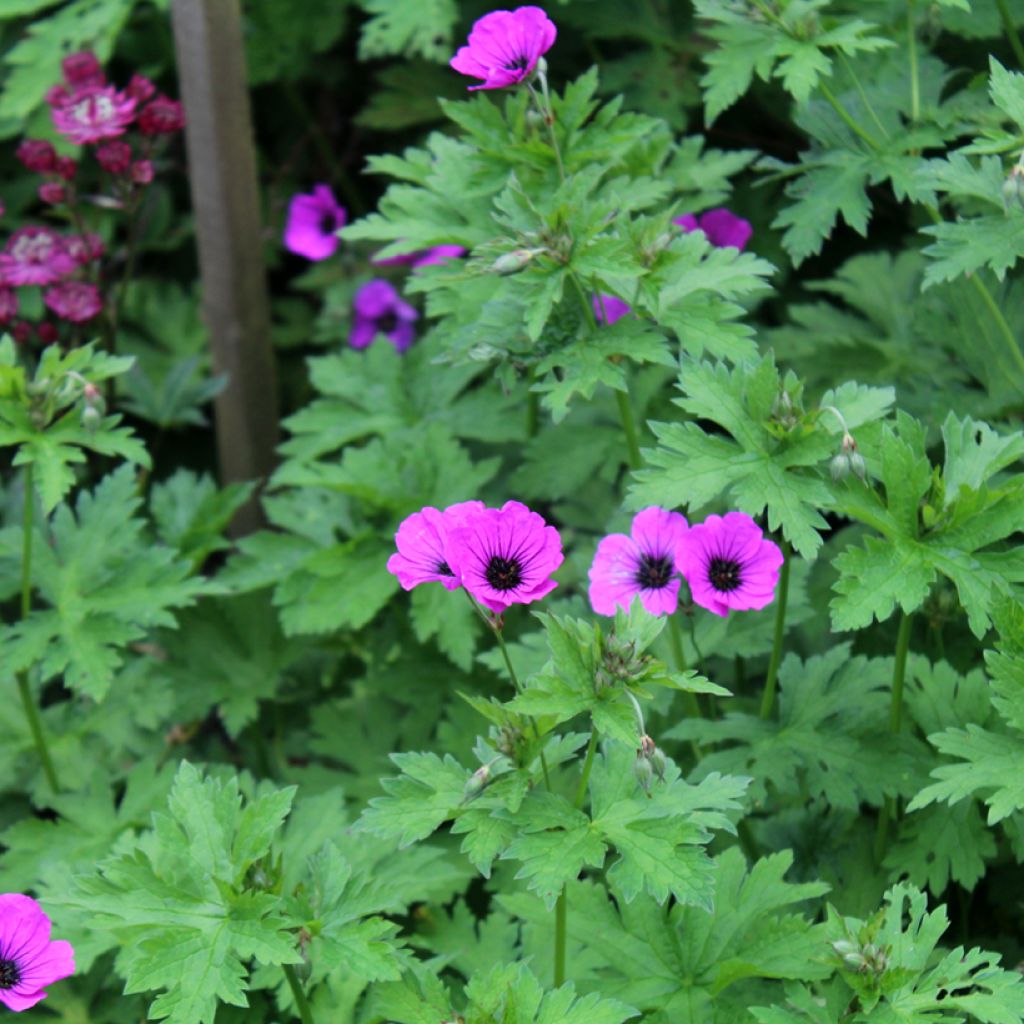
(142, 172)
(82, 69)
(47, 332)
(21, 331)
(163, 116)
(52, 192)
(115, 157)
(37, 155)
(67, 168)
(140, 88)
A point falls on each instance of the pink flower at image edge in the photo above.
(313, 222)
(505, 556)
(647, 563)
(29, 959)
(729, 564)
(504, 46)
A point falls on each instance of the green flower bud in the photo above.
(477, 782)
(644, 773)
(840, 466)
(857, 464)
(1013, 189)
(514, 261)
(91, 417)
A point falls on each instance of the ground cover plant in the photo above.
(635, 628)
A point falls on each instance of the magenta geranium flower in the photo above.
(92, 113)
(608, 308)
(379, 309)
(421, 541)
(421, 257)
(504, 47)
(504, 556)
(76, 301)
(722, 227)
(647, 562)
(34, 255)
(29, 960)
(314, 219)
(729, 565)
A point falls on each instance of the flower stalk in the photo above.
(35, 724)
(299, 994)
(890, 810)
(781, 600)
(561, 907)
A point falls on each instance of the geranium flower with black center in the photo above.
(505, 556)
(314, 219)
(646, 563)
(504, 46)
(729, 564)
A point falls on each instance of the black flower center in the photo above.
(9, 974)
(503, 573)
(519, 64)
(654, 571)
(387, 323)
(328, 224)
(724, 574)
(444, 569)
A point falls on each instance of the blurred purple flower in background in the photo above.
(313, 222)
(721, 226)
(379, 309)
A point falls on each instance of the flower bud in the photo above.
(91, 417)
(512, 262)
(840, 466)
(477, 782)
(857, 464)
(1013, 188)
(52, 192)
(644, 773)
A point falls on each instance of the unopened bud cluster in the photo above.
(619, 663)
(864, 958)
(650, 764)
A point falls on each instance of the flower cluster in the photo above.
(726, 561)
(88, 112)
(29, 960)
(501, 556)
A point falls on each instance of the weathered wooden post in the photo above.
(225, 197)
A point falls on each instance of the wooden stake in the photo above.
(225, 197)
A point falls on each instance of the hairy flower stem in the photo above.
(768, 696)
(1010, 29)
(494, 626)
(675, 640)
(889, 809)
(915, 85)
(547, 114)
(561, 907)
(301, 1002)
(847, 118)
(35, 725)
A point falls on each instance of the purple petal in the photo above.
(724, 228)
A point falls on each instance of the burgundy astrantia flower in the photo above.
(77, 301)
(504, 556)
(722, 227)
(163, 116)
(608, 308)
(29, 960)
(92, 113)
(34, 255)
(82, 68)
(647, 562)
(729, 565)
(8, 304)
(421, 541)
(114, 157)
(37, 155)
(379, 309)
(84, 248)
(421, 257)
(504, 47)
(313, 222)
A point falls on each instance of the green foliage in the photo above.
(768, 458)
(105, 584)
(45, 417)
(408, 27)
(949, 521)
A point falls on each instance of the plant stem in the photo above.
(629, 428)
(301, 1002)
(915, 85)
(675, 639)
(848, 119)
(35, 725)
(532, 413)
(768, 697)
(1011, 31)
(548, 116)
(889, 809)
(997, 315)
(561, 907)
